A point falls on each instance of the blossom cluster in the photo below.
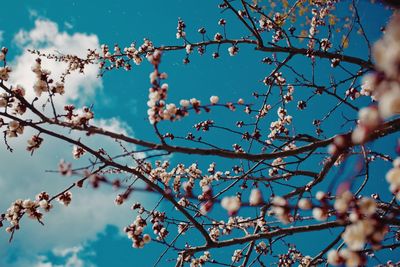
(180, 29)
(366, 226)
(159, 109)
(30, 207)
(393, 178)
(275, 23)
(193, 172)
(220, 228)
(81, 117)
(14, 128)
(318, 19)
(277, 164)
(135, 230)
(34, 143)
(77, 152)
(65, 198)
(44, 82)
(292, 256)
(383, 85)
(12, 100)
(135, 233)
(120, 58)
(5, 73)
(199, 262)
(279, 126)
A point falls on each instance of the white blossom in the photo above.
(214, 99)
(255, 197)
(231, 204)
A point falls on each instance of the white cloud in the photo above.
(65, 227)
(113, 125)
(23, 176)
(47, 37)
(71, 258)
(62, 252)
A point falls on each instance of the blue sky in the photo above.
(90, 231)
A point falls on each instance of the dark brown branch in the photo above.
(283, 231)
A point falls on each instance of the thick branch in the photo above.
(278, 232)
